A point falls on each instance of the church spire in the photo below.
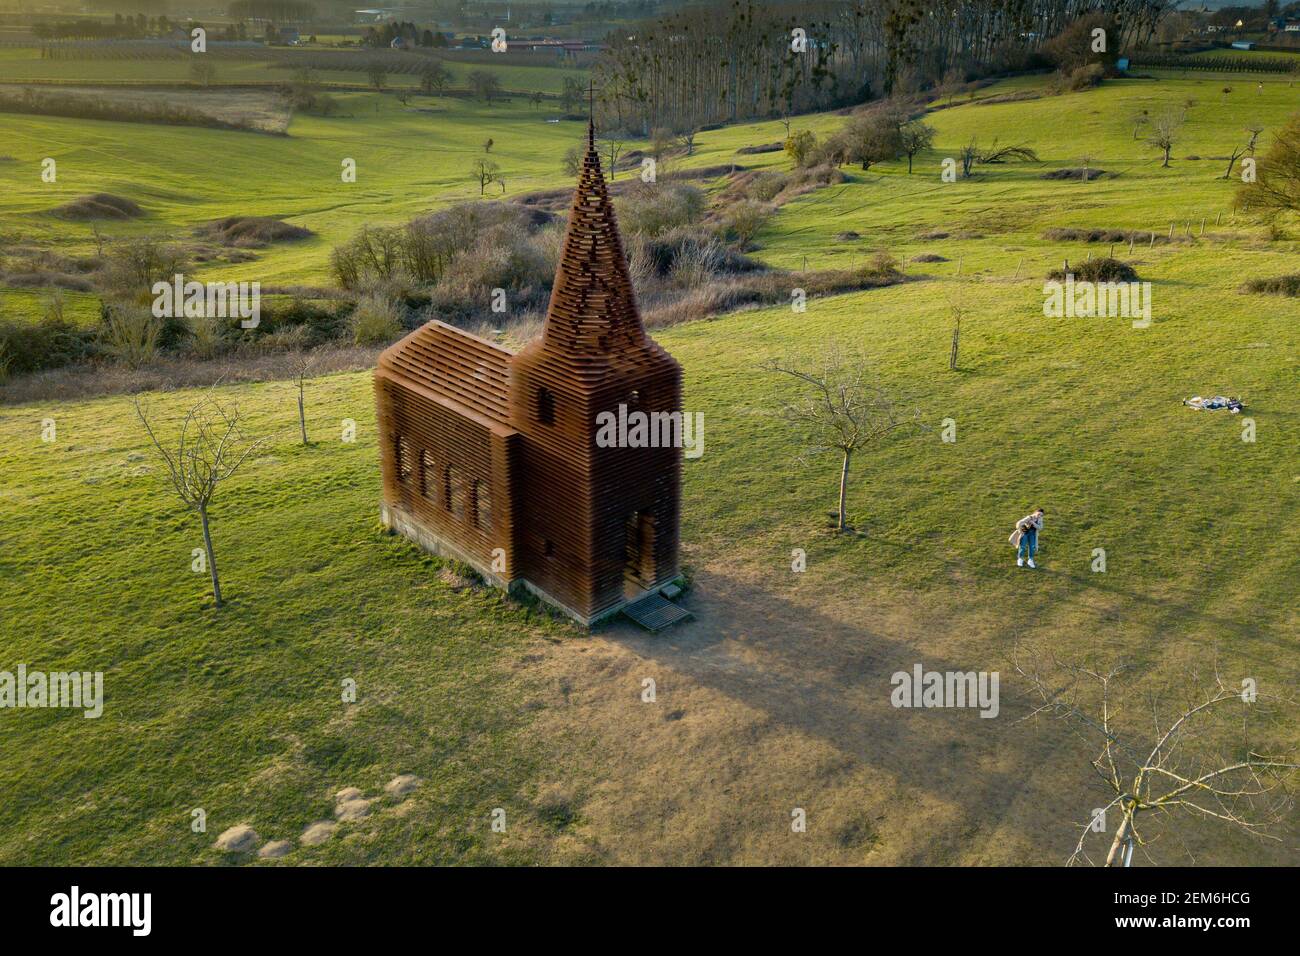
(593, 309)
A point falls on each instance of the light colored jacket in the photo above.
(1034, 521)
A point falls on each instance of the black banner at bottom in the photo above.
(337, 905)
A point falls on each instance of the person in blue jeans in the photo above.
(1025, 538)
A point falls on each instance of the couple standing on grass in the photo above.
(1025, 538)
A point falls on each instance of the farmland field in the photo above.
(24, 64)
(407, 160)
(777, 694)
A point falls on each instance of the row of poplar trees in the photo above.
(729, 60)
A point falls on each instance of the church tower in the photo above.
(598, 521)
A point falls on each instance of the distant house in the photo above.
(288, 36)
(400, 43)
(555, 46)
(1292, 26)
(1243, 44)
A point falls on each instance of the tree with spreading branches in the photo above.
(1165, 129)
(485, 172)
(434, 77)
(868, 138)
(915, 137)
(972, 153)
(1276, 188)
(1243, 149)
(485, 84)
(1140, 119)
(210, 448)
(840, 409)
(686, 139)
(612, 146)
(1000, 154)
(1196, 756)
(968, 155)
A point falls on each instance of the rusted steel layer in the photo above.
(455, 364)
(591, 527)
(450, 473)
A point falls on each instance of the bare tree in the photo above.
(301, 367)
(959, 312)
(434, 77)
(951, 84)
(1140, 119)
(973, 153)
(968, 154)
(915, 137)
(210, 448)
(613, 148)
(1276, 188)
(1196, 757)
(1254, 129)
(687, 139)
(1164, 133)
(485, 171)
(842, 411)
(203, 71)
(1000, 154)
(1247, 148)
(1236, 154)
(572, 162)
(868, 138)
(486, 84)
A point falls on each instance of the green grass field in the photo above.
(408, 160)
(25, 65)
(81, 308)
(777, 695)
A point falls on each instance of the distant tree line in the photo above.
(119, 28)
(727, 60)
(129, 28)
(281, 11)
(605, 10)
(385, 35)
(127, 6)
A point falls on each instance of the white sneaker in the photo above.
(1020, 562)
(1031, 563)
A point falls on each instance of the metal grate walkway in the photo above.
(655, 612)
